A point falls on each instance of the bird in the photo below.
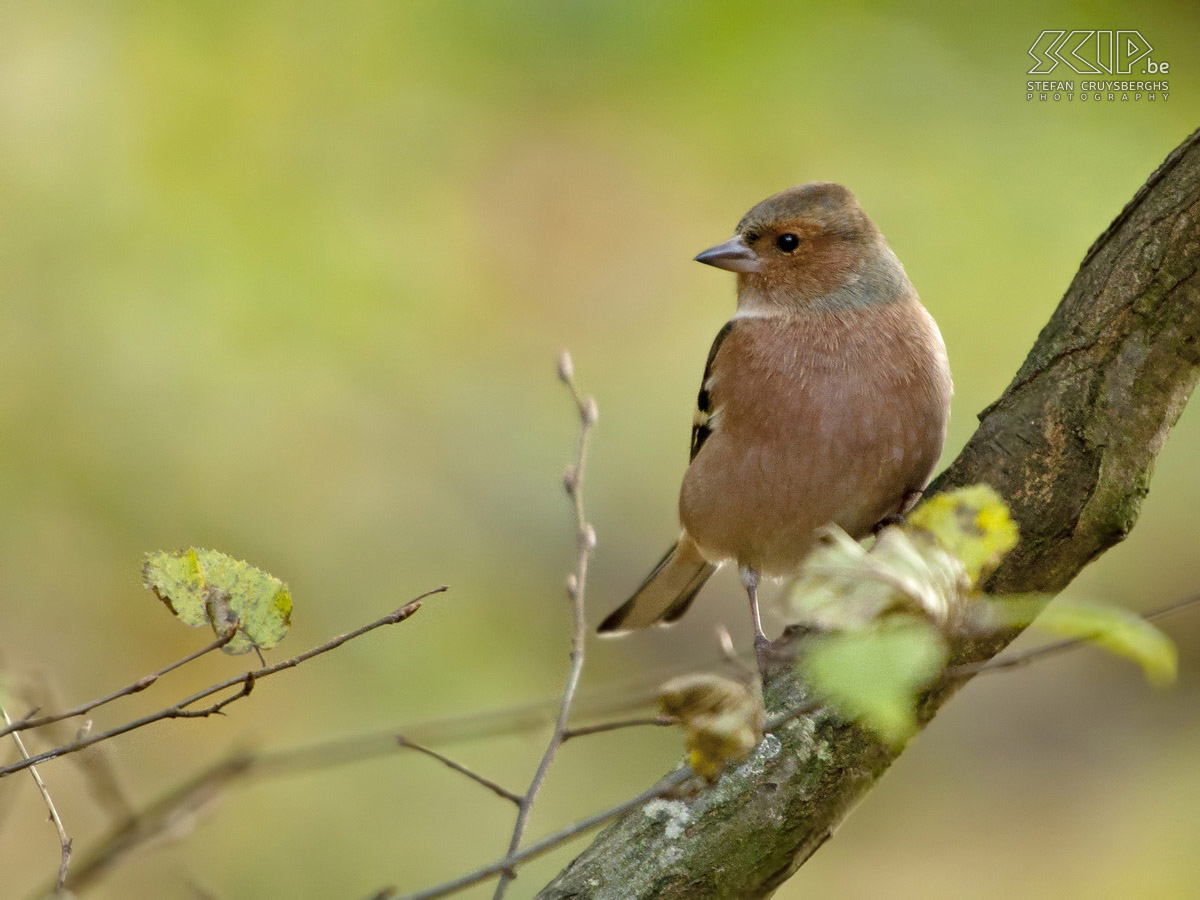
(824, 400)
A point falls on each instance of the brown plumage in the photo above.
(825, 399)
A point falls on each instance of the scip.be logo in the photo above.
(1093, 52)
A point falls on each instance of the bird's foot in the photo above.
(766, 654)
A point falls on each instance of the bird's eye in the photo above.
(787, 242)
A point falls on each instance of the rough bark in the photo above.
(1070, 445)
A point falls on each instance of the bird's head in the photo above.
(800, 245)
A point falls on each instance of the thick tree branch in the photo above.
(1070, 445)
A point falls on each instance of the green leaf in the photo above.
(205, 587)
(1116, 629)
(873, 676)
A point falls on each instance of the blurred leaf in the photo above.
(723, 719)
(873, 676)
(845, 585)
(929, 565)
(1116, 629)
(205, 587)
(972, 523)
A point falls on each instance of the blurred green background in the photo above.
(289, 280)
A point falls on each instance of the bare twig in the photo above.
(456, 766)
(64, 842)
(576, 587)
(29, 721)
(505, 866)
(247, 681)
(600, 727)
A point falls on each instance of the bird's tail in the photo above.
(666, 593)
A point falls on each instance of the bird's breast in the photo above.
(824, 416)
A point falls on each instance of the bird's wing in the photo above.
(700, 426)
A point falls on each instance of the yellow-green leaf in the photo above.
(873, 676)
(722, 718)
(205, 587)
(972, 523)
(1116, 629)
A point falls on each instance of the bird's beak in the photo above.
(735, 255)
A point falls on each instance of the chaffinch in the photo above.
(824, 399)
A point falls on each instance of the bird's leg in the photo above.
(762, 646)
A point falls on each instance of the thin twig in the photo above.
(178, 711)
(246, 680)
(505, 866)
(599, 727)
(29, 721)
(585, 537)
(64, 842)
(456, 766)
